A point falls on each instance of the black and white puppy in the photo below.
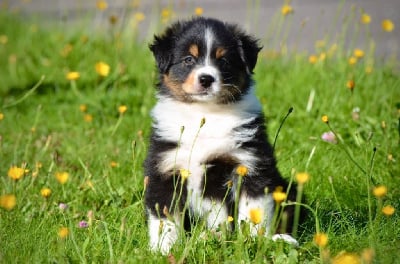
(207, 123)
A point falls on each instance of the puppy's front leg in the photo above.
(163, 233)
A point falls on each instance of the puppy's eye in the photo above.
(189, 60)
(223, 61)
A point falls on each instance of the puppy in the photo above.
(208, 147)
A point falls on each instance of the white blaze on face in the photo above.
(208, 69)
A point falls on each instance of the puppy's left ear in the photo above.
(248, 49)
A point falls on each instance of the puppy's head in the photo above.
(205, 60)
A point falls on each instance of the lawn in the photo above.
(74, 126)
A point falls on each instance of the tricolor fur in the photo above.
(206, 123)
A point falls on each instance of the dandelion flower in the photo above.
(352, 60)
(8, 201)
(321, 239)
(72, 76)
(3, 39)
(88, 118)
(346, 258)
(350, 84)
(242, 170)
(380, 191)
(230, 219)
(45, 192)
(387, 25)
(278, 195)
(101, 5)
(114, 164)
(358, 53)
(313, 59)
(286, 9)
(166, 14)
(256, 215)
(62, 177)
(139, 17)
(198, 11)
(1, 116)
(365, 18)
(325, 119)
(83, 108)
(184, 173)
(302, 177)
(388, 210)
(122, 109)
(102, 69)
(63, 232)
(16, 173)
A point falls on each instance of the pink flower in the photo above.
(63, 206)
(329, 137)
(83, 224)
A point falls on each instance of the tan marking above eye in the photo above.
(220, 52)
(194, 50)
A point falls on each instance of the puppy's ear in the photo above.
(248, 48)
(162, 47)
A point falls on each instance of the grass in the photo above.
(51, 125)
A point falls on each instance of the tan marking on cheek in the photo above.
(194, 50)
(189, 85)
(172, 85)
(220, 52)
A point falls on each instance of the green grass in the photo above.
(42, 122)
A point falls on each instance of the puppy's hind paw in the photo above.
(286, 238)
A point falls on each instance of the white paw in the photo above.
(287, 238)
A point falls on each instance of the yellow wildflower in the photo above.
(387, 25)
(352, 60)
(3, 39)
(62, 177)
(63, 232)
(230, 219)
(16, 173)
(102, 69)
(278, 195)
(114, 164)
(302, 177)
(184, 174)
(83, 108)
(166, 14)
(122, 109)
(350, 84)
(88, 118)
(286, 9)
(313, 59)
(242, 170)
(367, 255)
(388, 210)
(346, 258)
(139, 17)
(256, 215)
(321, 239)
(198, 11)
(358, 53)
(365, 18)
(322, 56)
(72, 76)
(45, 192)
(8, 201)
(379, 191)
(1, 116)
(101, 5)
(325, 119)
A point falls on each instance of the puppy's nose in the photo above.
(206, 80)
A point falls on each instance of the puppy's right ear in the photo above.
(163, 46)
